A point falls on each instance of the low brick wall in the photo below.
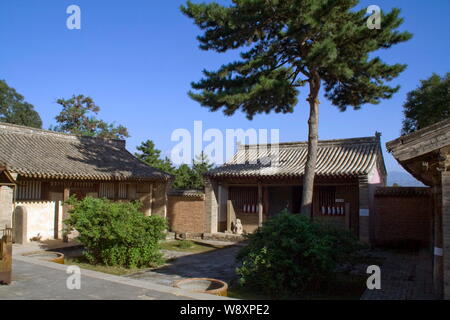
(402, 217)
(186, 212)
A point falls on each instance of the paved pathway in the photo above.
(404, 276)
(218, 264)
(36, 279)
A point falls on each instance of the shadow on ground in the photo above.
(217, 264)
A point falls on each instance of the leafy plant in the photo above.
(78, 116)
(185, 244)
(14, 109)
(116, 233)
(427, 104)
(291, 254)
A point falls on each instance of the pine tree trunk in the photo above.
(313, 140)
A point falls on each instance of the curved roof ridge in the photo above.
(359, 140)
(10, 128)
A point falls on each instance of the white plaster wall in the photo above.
(6, 206)
(41, 218)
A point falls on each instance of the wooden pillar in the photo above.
(266, 201)
(347, 216)
(231, 215)
(116, 191)
(65, 215)
(446, 233)
(260, 205)
(363, 221)
(437, 241)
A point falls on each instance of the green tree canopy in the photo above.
(428, 104)
(148, 153)
(13, 108)
(185, 176)
(78, 116)
(200, 165)
(288, 44)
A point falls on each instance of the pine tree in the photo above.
(150, 155)
(286, 45)
(200, 165)
(78, 116)
(428, 104)
(184, 177)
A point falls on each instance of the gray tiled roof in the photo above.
(46, 154)
(190, 193)
(344, 157)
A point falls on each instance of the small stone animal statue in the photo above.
(238, 227)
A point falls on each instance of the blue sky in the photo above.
(137, 59)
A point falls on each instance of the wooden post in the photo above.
(65, 214)
(347, 215)
(229, 215)
(116, 191)
(446, 234)
(260, 205)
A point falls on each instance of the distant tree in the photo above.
(200, 165)
(428, 104)
(184, 177)
(78, 116)
(148, 153)
(395, 184)
(289, 44)
(13, 108)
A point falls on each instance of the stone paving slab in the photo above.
(404, 276)
(217, 264)
(36, 279)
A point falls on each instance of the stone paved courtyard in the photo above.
(218, 264)
(404, 276)
(42, 280)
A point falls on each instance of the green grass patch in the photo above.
(189, 246)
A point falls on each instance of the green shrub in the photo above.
(291, 254)
(116, 233)
(185, 244)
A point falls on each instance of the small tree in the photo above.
(428, 104)
(184, 177)
(78, 116)
(200, 165)
(148, 153)
(116, 233)
(14, 109)
(289, 44)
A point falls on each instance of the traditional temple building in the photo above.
(262, 180)
(426, 155)
(48, 167)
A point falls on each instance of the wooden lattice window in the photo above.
(29, 190)
(244, 199)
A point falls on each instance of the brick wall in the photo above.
(402, 216)
(186, 213)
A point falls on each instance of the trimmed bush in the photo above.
(116, 233)
(291, 254)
